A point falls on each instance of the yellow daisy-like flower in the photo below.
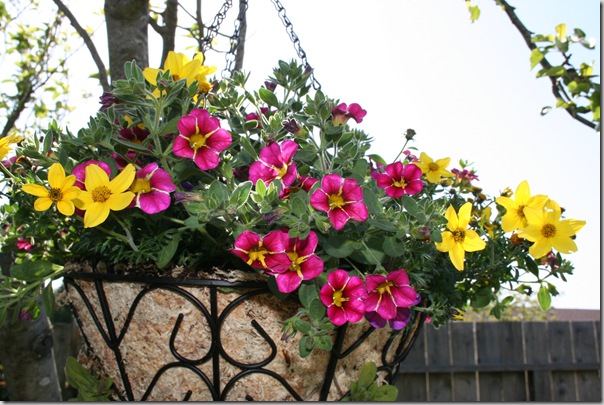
(515, 217)
(433, 170)
(6, 142)
(459, 239)
(181, 67)
(102, 196)
(62, 191)
(548, 232)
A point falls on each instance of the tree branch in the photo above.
(89, 44)
(527, 35)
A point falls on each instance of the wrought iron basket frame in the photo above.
(113, 338)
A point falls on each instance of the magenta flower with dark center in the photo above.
(342, 113)
(341, 198)
(266, 252)
(275, 162)
(201, 138)
(386, 294)
(305, 264)
(343, 296)
(152, 187)
(400, 180)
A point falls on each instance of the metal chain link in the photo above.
(296, 41)
(212, 30)
(231, 56)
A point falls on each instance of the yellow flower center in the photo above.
(197, 141)
(55, 194)
(176, 78)
(459, 235)
(385, 287)
(548, 231)
(433, 167)
(281, 171)
(101, 194)
(140, 186)
(400, 184)
(338, 300)
(520, 211)
(336, 201)
(257, 253)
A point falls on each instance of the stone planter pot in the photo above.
(216, 337)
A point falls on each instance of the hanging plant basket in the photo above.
(217, 337)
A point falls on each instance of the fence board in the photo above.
(504, 361)
(463, 351)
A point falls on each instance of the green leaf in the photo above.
(306, 345)
(474, 11)
(339, 246)
(393, 246)
(48, 299)
(31, 271)
(307, 293)
(316, 310)
(168, 251)
(241, 194)
(384, 393)
(561, 31)
(544, 297)
(268, 97)
(536, 57)
(367, 375)
(371, 200)
(410, 205)
(302, 326)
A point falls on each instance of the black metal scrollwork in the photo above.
(215, 320)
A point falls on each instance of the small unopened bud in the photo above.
(409, 134)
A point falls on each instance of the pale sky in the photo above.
(466, 89)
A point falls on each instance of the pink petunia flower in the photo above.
(400, 180)
(201, 138)
(302, 183)
(464, 175)
(343, 296)
(276, 162)
(152, 187)
(254, 116)
(341, 198)
(342, 113)
(305, 264)
(387, 294)
(24, 244)
(266, 252)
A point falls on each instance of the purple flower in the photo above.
(400, 180)
(341, 198)
(343, 296)
(276, 162)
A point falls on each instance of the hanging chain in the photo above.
(296, 41)
(212, 30)
(231, 56)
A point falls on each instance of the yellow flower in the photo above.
(433, 170)
(6, 142)
(458, 239)
(515, 217)
(181, 67)
(62, 191)
(102, 196)
(547, 231)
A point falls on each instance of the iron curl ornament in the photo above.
(202, 339)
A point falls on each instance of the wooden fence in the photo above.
(504, 361)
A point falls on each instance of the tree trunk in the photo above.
(27, 357)
(127, 23)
